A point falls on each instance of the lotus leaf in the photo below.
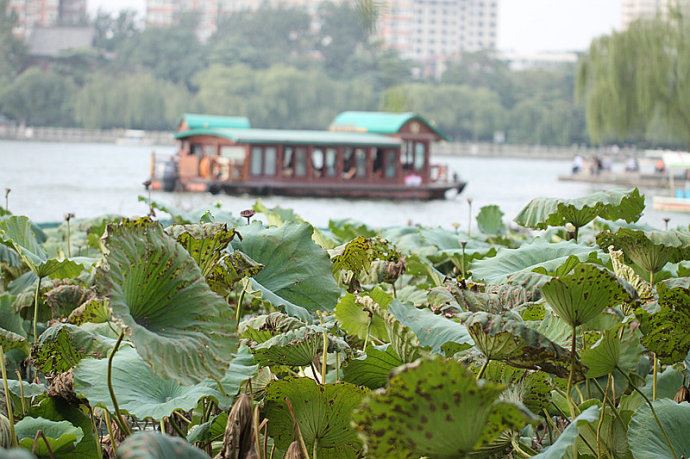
(95, 310)
(322, 412)
(180, 217)
(541, 213)
(155, 445)
(62, 346)
(648, 249)
(297, 276)
(278, 216)
(490, 220)
(296, 347)
(582, 295)
(356, 314)
(262, 328)
(63, 299)
(62, 436)
(373, 368)
(432, 330)
(515, 343)
(348, 229)
(564, 444)
(425, 410)
(230, 269)
(643, 288)
(242, 368)
(10, 340)
(179, 326)
(57, 409)
(537, 254)
(613, 352)
(646, 439)
(18, 233)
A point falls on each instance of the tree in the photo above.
(637, 78)
(111, 31)
(12, 51)
(342, 33)
(39, 98)
(482, 69)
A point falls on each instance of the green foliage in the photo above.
(613, 352)
(155, 445)
(490, 220)
(647, 439)
(38, 97)
(569, 436)
(62, 436)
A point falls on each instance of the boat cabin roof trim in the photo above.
(290, 137)
(380, 122)
(196, 121)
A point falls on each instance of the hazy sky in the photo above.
(524, 25)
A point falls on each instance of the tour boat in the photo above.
(362, 155)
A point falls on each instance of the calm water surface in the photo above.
(50, 179)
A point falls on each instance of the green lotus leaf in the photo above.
(537, 254)
(155, 445)
(209, 431)
(278, 216)
(613, 352)
(667, 384)
(28, 389)
(582, 295)
(490, 220)
(646, 439)
(532, 388)
(643, 288)
(356, 314)
(181, 217)
(373, 368)
(264, 327)
(57, 409)
(62, 346)
(62, 436)
(18, 233)
(297, 275)
(347, 229)
(569, 436)
(541, 213)
(434, 408)
(10, 340)
(182, 330)
(322, 411)
(63, 299)
(16, 453)
(242, 368)
(513, 342)
(139, 391)
(296, 347)
(432, 330)
(95, 310)
(230, 269)
(648, 249)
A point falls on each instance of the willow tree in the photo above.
(636, 81)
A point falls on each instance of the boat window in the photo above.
(256, 161)
(378, 163)
(407, 155)
(270, 156)
(288, 162)
(317, 162)
(331, 159)
(390, 164)
(232, 152)
(349, 169)
(361, 160)
(300, 162)
(419, 156)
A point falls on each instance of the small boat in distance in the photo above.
(362, 155)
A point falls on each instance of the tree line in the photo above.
(275, 67)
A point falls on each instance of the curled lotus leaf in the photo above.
(490, 220)
(262, 328)
(541, 213)
(62, 346)
(182, 329)
(647, 440)
(642, 287)
(356, 314)
(568, 438)
(95, 310)
(62, 436)
(583, 294)
(155, 445)
(230, 269)
(347, 229)
(296, 347)
(425, 410)
(63, 299)
(373, 367)
(515, 343)
(10, 340)
(322, 412)
(649, 249)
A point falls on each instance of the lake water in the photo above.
(50, 179)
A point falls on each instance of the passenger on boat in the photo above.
(660, 167)
(578, 164)
(632, 165)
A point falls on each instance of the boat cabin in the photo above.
(362, 155)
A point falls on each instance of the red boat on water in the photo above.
(362, 155)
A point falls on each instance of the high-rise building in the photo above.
(433, 31)
(631, 10)
(46, 13)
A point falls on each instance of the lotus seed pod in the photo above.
(294, 451)
(5, 433)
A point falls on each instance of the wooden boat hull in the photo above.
(319, 190)
(671, 204)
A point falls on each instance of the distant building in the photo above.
(631, 10)
(538, 60)
(432, 32)
(46, 13)
(46, 43)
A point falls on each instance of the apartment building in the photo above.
(631, 10)
(432, 32)
(46, 13)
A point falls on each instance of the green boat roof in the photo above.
(379, 122)
(290, 137)
(195, 121)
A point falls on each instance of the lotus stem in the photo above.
(602, 415)
(298, 431)
(571, 375)
(651, 407)
(577, 233)
(69, 245)
(469, 218)
(121, 423)
(483, 369)
(337, 366)
(111, 435)
(611, 400)
(313, 450)
(518, 448)
(651, 278)
(21, 392)
(654, 375)
(41, 435)
(315, 373)
(35, 321)
(8, 397)
(238, 312)
(324, 358)
(462, 260)
(256, 428)
(175, 427)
